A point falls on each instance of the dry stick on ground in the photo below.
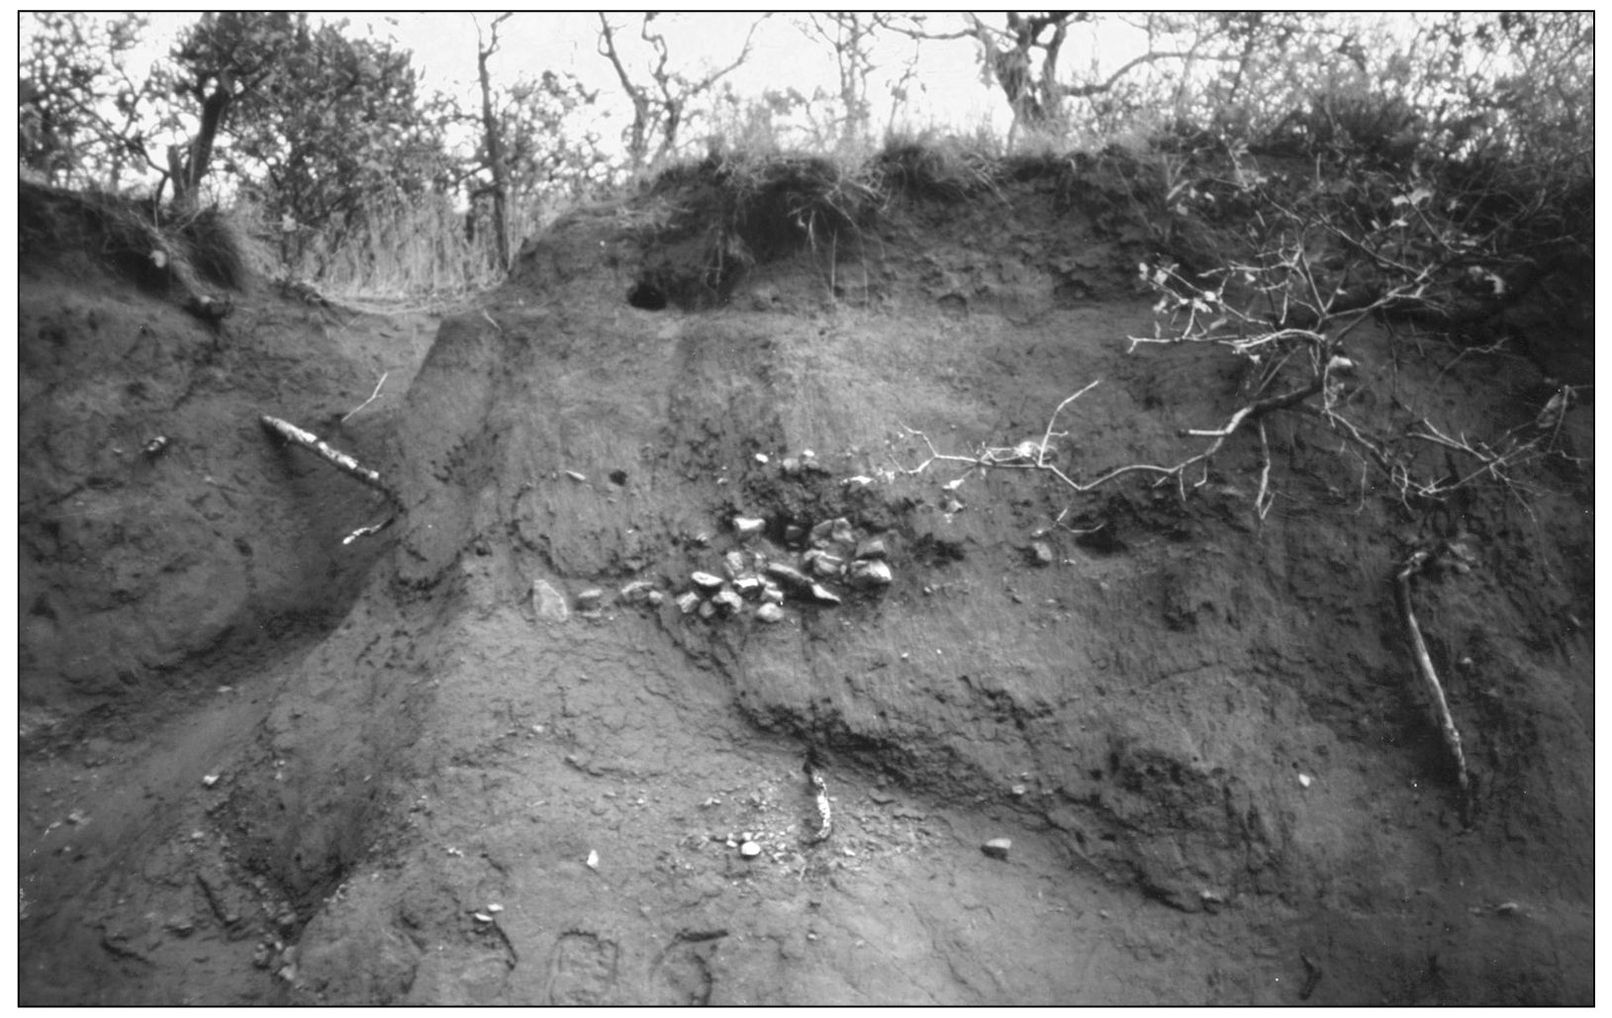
(1424, 669)
(335, 457)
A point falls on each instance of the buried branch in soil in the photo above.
(1429, 677)
(338, 459)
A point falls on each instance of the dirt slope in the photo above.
(1198, 728)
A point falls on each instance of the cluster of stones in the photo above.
(833, 553)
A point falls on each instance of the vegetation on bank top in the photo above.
(326, 151)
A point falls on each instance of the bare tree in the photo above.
(1037, 98)
(492, 139)
(850, 35)
(662, 106)
(1022, 58)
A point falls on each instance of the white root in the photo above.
(373, 528)
(335, 457)
(372, 397)
(825, 815)
(1424, 669)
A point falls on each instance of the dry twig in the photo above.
(372, 397)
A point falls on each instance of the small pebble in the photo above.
(997, 848)
(823, 594)
(593, 860)
(770, 613)
(749, 850)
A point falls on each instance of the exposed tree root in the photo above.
(825, 814)
(372, 397)
(335, 457)
(1424, 670)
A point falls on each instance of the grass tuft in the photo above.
(154, 247)
(215, 246)
(947, 168)
(715, 220)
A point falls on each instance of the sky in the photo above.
(949, 89)
(781, 56)
(947, 93)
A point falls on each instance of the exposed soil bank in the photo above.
(1198, 728)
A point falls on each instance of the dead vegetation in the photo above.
(1315, 259)
(1321, 255)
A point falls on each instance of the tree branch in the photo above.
(1083, 91)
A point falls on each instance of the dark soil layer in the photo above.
(1200, 729)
